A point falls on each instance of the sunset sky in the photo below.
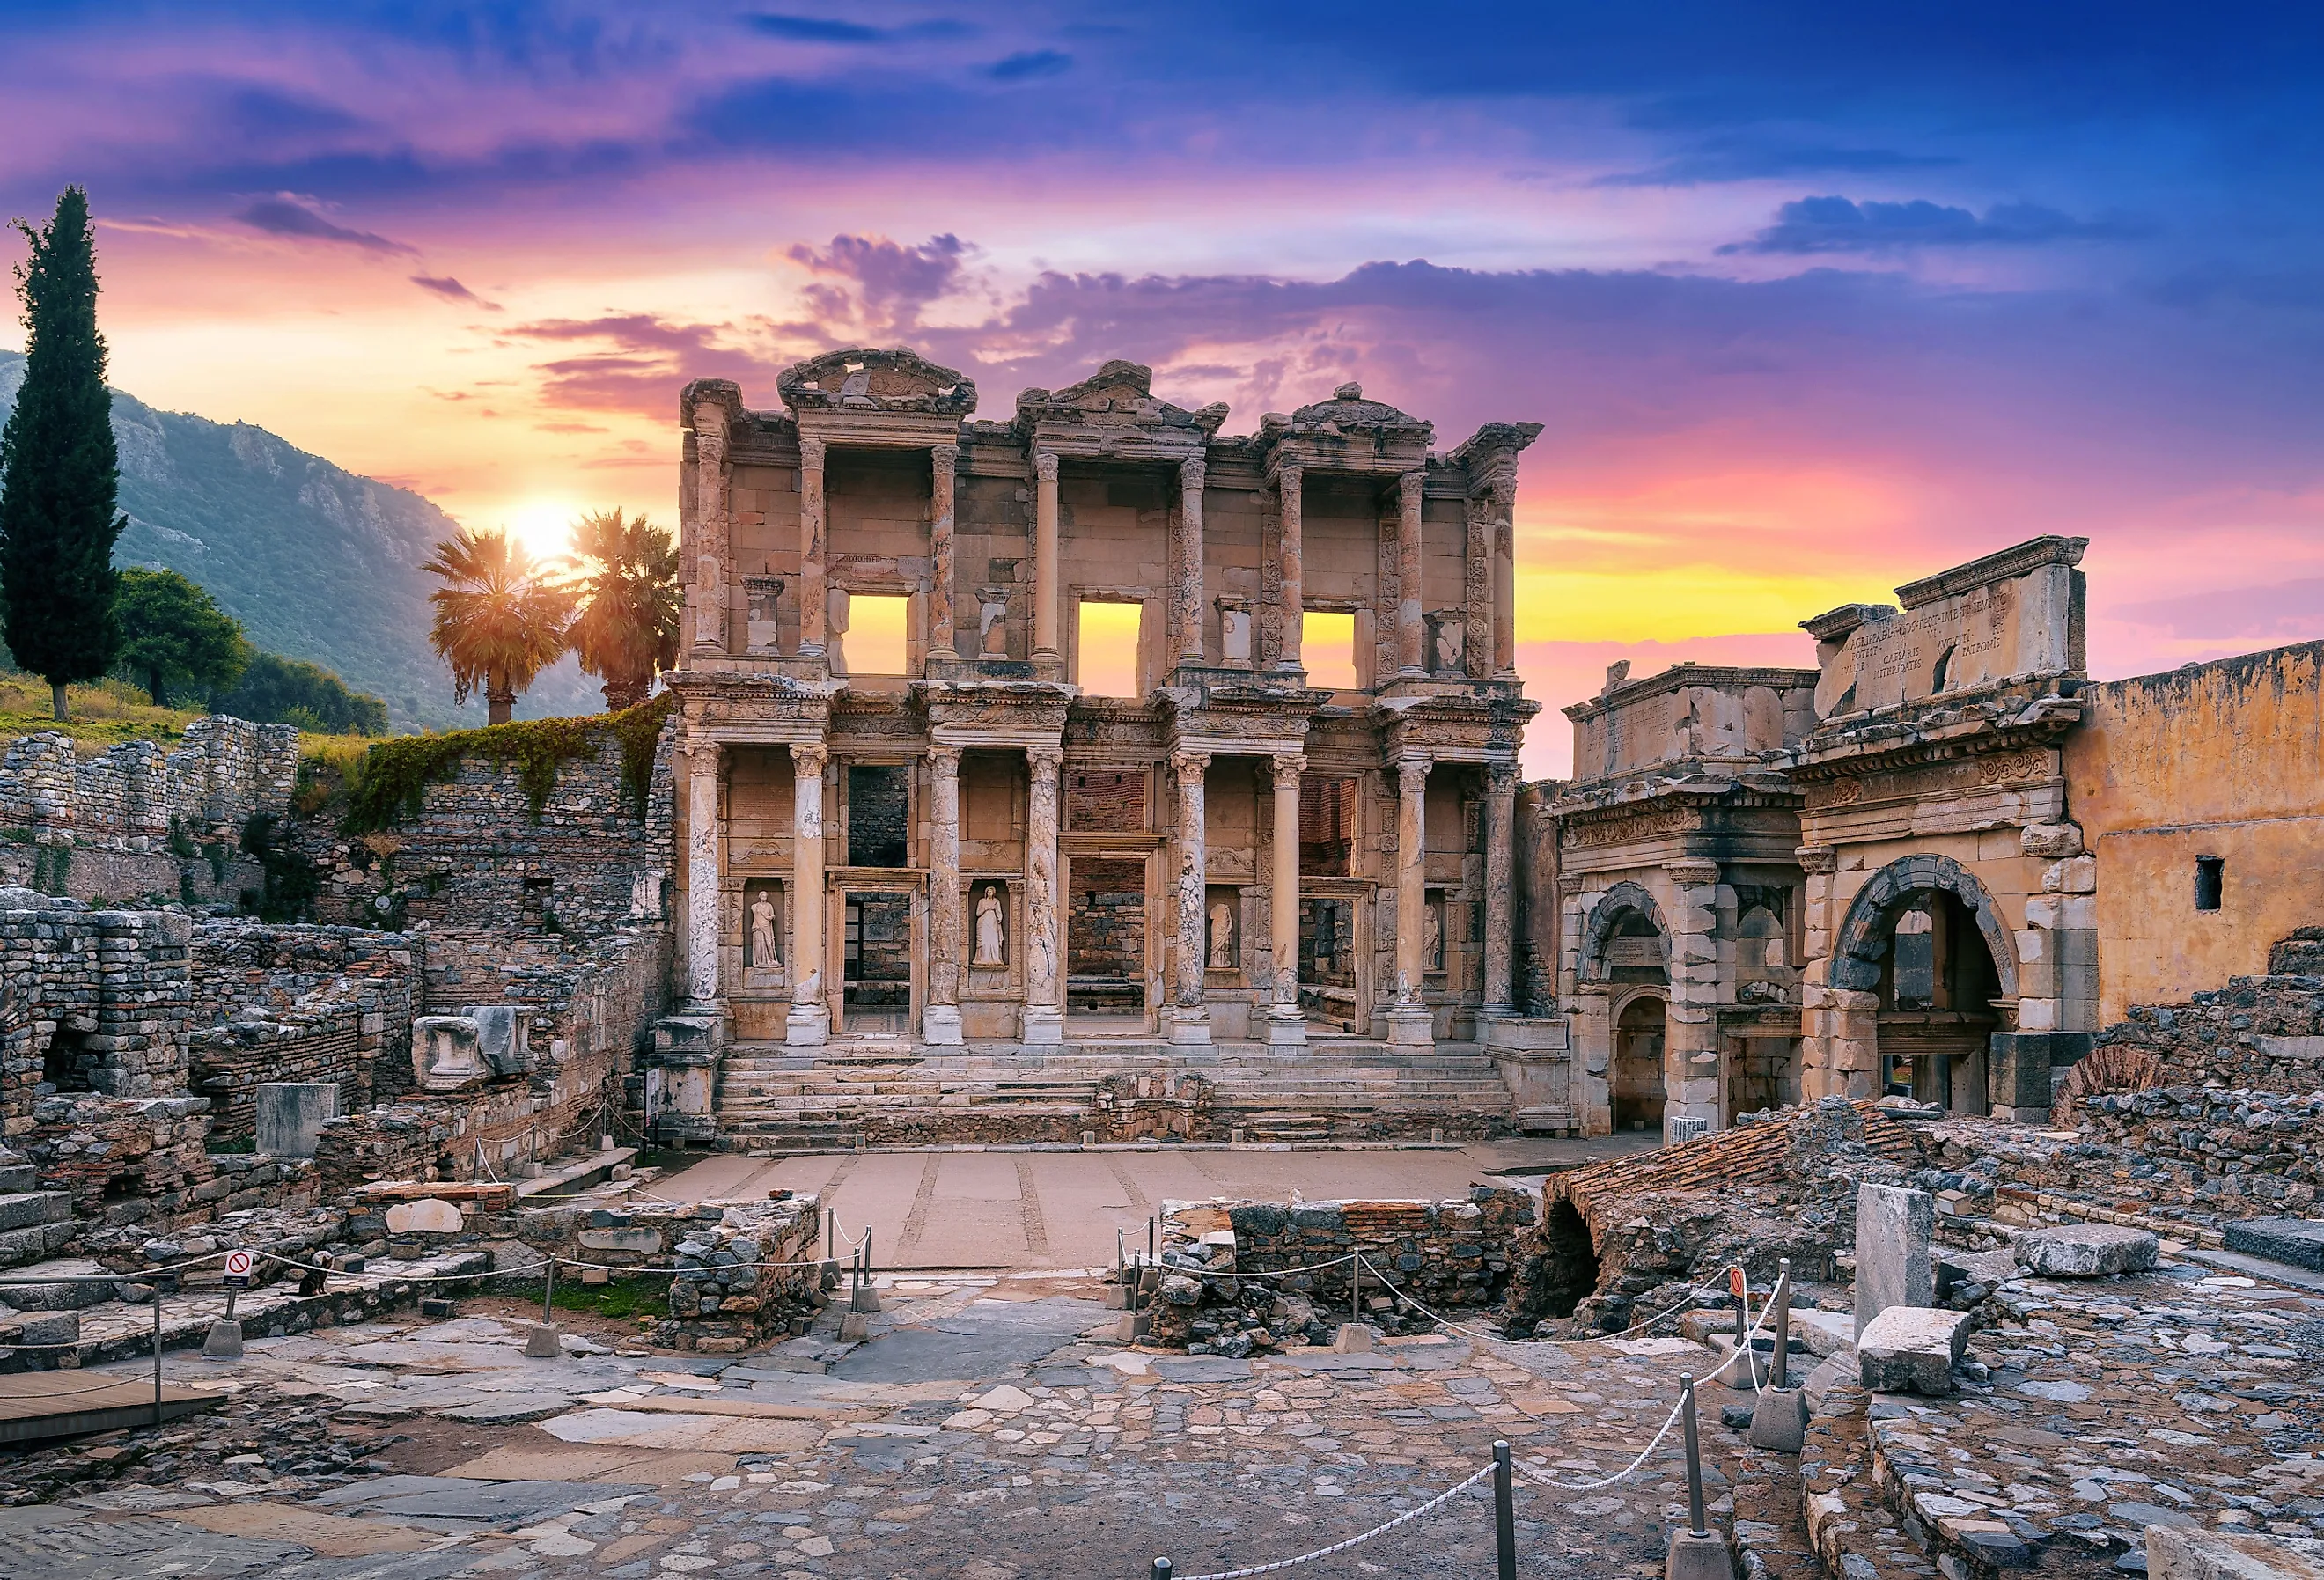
(1811, 299)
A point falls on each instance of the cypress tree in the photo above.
(58, 470)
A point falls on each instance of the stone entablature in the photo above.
(995, 536)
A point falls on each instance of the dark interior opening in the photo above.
(878, 962)
(1569, 1263)
(2210, 881)
(66, 1062)
(878, 815)
(1105, 936)
(1327, 826)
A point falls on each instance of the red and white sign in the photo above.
(1734, 1282)
(237, 1268)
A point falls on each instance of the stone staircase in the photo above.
(34, 1223)
(770, 1097)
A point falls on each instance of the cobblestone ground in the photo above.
(1083, 1458)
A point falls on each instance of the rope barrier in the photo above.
(1438, 1501)
(1487, 1336)
(1669, 1421)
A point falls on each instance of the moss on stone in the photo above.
(396, 774)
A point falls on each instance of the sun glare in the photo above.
(544, 527)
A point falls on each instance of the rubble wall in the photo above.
(136, 794)
(2216, 760)
(2262, 1033)
(719, 1302)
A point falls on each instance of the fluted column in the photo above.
(1045, 557)
(1501, 874)
(705, 847)
(1505, 578)
(940, 1019)
(1186, 584)
(1191, 1019)
(943, 627)
(1286, 1026)
(813, 605)
(1287, 480)
(1411, 629)
(809, 1022)
(712, 533)
(1045, 1005)
(1409, 1023)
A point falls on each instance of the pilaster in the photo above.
(813, 605)
(943, 623)
(1410, 637)
(1044, 1020)
(1045, 557)
(808, 1024)
(1288, 479)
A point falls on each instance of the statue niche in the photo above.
(763, 928)
(991, 932)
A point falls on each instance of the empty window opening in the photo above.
(872, 643)
(1327, 827)
(2210, 881)
(1107, 650)
(1635, 1088)
(879, 809)
(878, 962)
(1106, 801)
(1327, 647)
(66, 1063)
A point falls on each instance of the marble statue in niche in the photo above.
(991, 935)
(1450, 643)
(1221, 937)
(1432, 936)
(765, 952)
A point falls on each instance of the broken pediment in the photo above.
(1347, 412)
(869, 381)
(1119, 394)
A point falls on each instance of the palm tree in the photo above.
(499, 618)
(623, 575)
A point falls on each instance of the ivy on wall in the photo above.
(396, 774)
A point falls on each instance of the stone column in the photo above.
(1187, 586)
(1045, 1005)
(1411, 629)
(1286, 1026)
(809, 1022)
(704, 851)
(1045, 557)
(712, 535)
(1476, 587)
(1690, 1074)
(813, 605)
(944, 638)
(1190, 1022)
(1409, 1023)
(1505, 578)
(1500, 882)
(1291, 599)
(940, 1020)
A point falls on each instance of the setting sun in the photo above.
(544, 527)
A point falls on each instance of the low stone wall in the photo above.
(95, 999)
(139, 795)
(125, 1160)
(719, 1302)
(325, 1043)
(1450, 1256)
(2265, 1032)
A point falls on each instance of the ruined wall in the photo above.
(137, 794)
(726, 1295)
(2219, 760)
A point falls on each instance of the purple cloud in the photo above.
(893, 282)
(451, 289)
(1836, 225)
(285, 215)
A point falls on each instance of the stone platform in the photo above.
(893, 1090)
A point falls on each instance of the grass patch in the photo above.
(111, 713)
(619, 1300)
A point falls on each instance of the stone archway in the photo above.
(1638, 1089)
(1867, 935)
(1925, 1000)
(1620, 904)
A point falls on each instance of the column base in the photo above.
(806, 1026)
(1411, 1028)
(1190, 1027)
(1042, 1027)
(1286, 1028)
(940, 1025)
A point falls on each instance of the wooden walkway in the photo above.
(34, 1405)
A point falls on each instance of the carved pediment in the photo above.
(1348, 412)
(1119, 394)
(870, 380)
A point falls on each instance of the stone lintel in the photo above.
(2018, 559)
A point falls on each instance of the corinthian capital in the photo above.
(1288, 767)
(1193, 472)
(1408, 486)
(1412, 773)
(944, 758)
(1190, 765)
(1045, 466)
(944, 455)
(811, 453)
(809, 758)
(1046, 759)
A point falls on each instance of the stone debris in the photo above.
(1910, 1349)
(2087, 1250)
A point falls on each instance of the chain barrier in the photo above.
(1438, 1501)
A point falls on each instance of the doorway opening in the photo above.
(877, 962)
(1105, 944)
(1327, 961)
(878, 815)
(1634, 1087)
(1937, 1012)
(1763, 1073)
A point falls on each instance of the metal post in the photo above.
(1150, 1252)
(549, 1296)
(831, 1234)
(1161, 1569)
(1782, 1320)
(1693, 1460)
(1356, 1289)
(1505, 1511)
(157, 1351)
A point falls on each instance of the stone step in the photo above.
(1856, 1532)
(1771, 1528)
(28, 1209)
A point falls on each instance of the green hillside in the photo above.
(316, 563)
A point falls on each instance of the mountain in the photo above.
(316, 563)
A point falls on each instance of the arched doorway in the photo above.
(1923, 936)
(1635, 1090)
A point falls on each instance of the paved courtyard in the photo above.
(1026, 1209)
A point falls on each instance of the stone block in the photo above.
(1910, 1349)
(503, 1036)
(33, 1209)
(2087, 1250)
(48, 1327)
(428, 1215)
(645, 1242)
(2182, 1552)
(2052, 841)
(1893, 1228)
(2299, 1241)
(291, 1115)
